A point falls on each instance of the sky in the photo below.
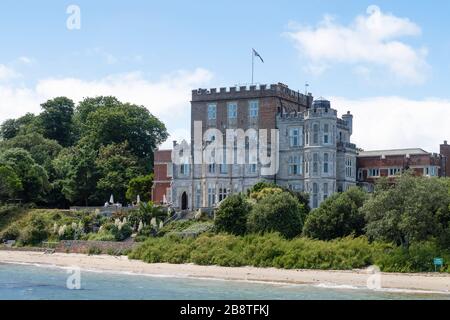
(385, 61)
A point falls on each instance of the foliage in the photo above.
(116, 166)
(33, 177)
(13, 127)
(415, 209)
(272, 250)
(77, 173)
(338, 216)
(140, 186)
(82, 154)
(56, 120)
(105, 120)
(10, 183)
(231, 217)
(278, 212)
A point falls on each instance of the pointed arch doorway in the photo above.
(184, 201)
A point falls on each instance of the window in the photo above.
(184, 169)
(430, 171)
(232, 110)
(316, 163)
(212, 110)
(294, 137)
(326, 129)
(394, 171)
(325, 162)
(211, 195)
(316, 134)
(223, 192)
(294, 165)
(212, 168)
(252, 168)
(253, 109)
(315, 195)
(374, 172)
(349, 167)
(198, 196)
(325, 191)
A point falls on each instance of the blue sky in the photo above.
(386, 61)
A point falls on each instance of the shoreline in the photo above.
(347, 279)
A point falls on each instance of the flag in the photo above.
(258, 55)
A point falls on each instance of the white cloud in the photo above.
(7, 73)
(25, 60)
(371, 39)
(396, 122)
(167, 98)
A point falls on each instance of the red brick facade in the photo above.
(272, 99)
(445, 153)
(388, 163)
(162, 177)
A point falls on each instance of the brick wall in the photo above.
(445, 152)
(106, 247)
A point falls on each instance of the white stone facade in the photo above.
(315, 156)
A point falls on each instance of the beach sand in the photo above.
(426, 282)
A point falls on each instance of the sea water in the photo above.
(31, 282)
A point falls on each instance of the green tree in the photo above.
(116, 166)
(338, 216)
(105, 120)
(279, 212)
(12, 127)
(78, 174)
(414, 209)
(33, 177)
(232, 215)
(42, 150)
(10, 183)
(56, 120)
(140, 186)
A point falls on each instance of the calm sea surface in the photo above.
(35, 283)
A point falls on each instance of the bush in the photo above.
(12, 233)
(35, 233)
(279, 212)
(231, 217)
(338, 216)
(273, 250)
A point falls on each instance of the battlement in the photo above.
(252, 91)
(294, 116)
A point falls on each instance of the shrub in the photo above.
(35, 232)
(279, 212)
(231, 217)
(12, 233)
(338, 216)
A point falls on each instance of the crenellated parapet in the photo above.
(252, 91)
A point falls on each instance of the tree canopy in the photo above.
(79, 154)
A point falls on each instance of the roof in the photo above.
(392, 152)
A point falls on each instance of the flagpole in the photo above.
(253, 65)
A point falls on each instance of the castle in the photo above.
(305, 147)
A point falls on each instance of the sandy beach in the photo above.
(424, 282)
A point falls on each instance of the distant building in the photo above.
(445, 154)
(162, 179)
(389, 163)
(315, 153)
